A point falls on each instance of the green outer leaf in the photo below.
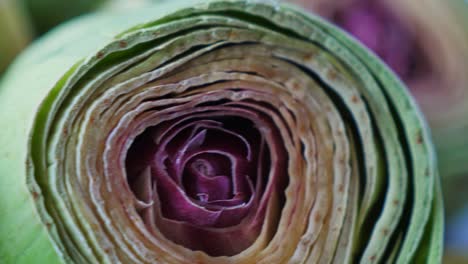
(60, 57)
(22, 234)
(424, 187)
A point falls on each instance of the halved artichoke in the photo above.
(212, 132)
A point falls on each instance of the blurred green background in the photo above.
(424, 41)
(22, 21)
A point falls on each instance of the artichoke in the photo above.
(212, 132)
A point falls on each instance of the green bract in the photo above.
(346, 169)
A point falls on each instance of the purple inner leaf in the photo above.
(206, 179)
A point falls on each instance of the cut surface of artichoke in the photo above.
(212, 132)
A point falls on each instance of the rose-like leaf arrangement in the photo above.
(217, 167)
(212, 132)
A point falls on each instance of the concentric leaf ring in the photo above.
(223, 132)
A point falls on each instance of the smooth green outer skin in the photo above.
(23, 236)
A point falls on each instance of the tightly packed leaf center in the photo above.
(203, 174)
